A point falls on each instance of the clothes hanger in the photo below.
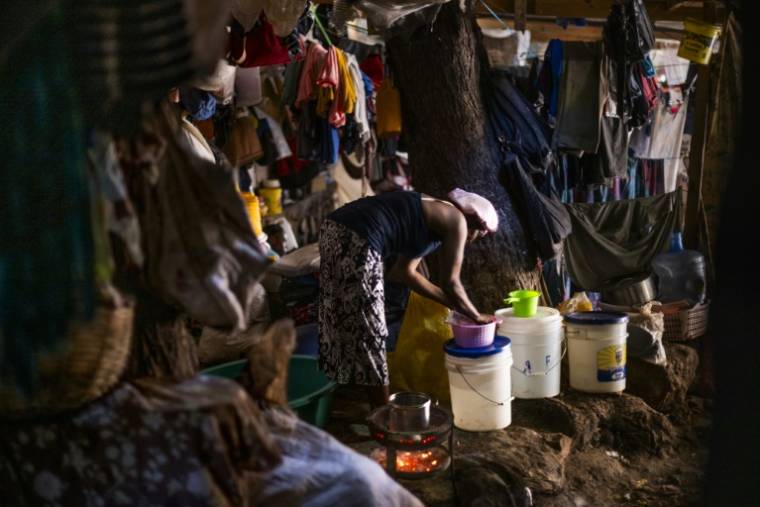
(319, 24)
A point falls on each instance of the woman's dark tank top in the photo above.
(392, 223)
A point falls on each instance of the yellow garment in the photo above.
(388, 105)
(325, 96)
(346, 91)
(417, 364)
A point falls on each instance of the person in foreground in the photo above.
(354, 242)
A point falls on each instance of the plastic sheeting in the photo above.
(417, 364)
(617, 239)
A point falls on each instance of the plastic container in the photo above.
(271, 192)
(479, 381)
(309, 390)
(524, 302)
(596, 346)
(536, 351)
(681, 274)
(698, 41)
(254, 212)
(467, 334)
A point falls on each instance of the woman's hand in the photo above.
(484, 319)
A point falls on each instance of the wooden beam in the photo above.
(698, 140)
(544, 30)
(521, 14)
(658, 10)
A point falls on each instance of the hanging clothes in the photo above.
(549, 79)
(580, 106)
(199, 104)
(662, 137)
(312, 68)
(257, 47)
(327, 82)
(280, 144)
(512, 115)
(374, 68)
(290, 82)
(345, 97)
(628, 38)
(360, 109)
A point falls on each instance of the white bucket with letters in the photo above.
(536, 351)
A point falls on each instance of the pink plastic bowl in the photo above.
(469, 335)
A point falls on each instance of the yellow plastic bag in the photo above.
(388, 107)
(417, 364)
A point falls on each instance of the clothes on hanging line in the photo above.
(580, 107)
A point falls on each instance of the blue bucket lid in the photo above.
(499, 343)
(596, 318)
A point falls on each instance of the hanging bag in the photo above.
(388, 105)
(244, 146)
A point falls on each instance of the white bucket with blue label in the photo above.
(596, 349)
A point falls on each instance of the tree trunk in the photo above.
(162, 346)
(442, 76)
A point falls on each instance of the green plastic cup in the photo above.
(524, 302)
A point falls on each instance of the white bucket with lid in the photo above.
(479, 382)
(537, 351)
(596, 345)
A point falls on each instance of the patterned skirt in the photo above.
(352, 329)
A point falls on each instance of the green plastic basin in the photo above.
(309, 390)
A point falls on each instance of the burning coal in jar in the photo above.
(414, 462)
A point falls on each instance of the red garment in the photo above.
(290, 166)
(650, 89)
(259, 47)
(374, 68)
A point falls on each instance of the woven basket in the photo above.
(86, 367)
(685, 324)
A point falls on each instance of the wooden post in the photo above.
(699, 136)
(521, 14)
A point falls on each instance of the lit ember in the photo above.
(412, 462)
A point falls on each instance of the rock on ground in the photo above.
(664, 387)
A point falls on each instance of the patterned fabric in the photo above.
(352, 329)
(147, 443)
(201, 443)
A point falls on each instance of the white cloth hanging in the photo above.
(360, 109)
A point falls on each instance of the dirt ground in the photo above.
(574, 450)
